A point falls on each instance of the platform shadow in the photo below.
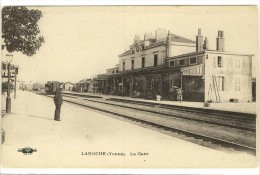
(34, 116)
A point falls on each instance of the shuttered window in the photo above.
(218, 62)
(221, 83)
(237, 62)
(237, 84)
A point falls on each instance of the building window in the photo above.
(143, 62)
(237, 84)
(132, 64)
(182, 62)
(193, 60)
(116, 71)
(142, 47)
(123, 66)
(220, 61)
(171, 63)
(155, 59)
(221, 83)
(112, 72)
(133, 52)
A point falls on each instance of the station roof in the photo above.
(147, 70)
(174, 38)
(177, 38)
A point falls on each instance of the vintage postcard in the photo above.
(150, 87)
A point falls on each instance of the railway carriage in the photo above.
(51, 86)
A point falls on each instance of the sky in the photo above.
(83, 41)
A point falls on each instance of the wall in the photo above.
(149, 58)
(237, 73)
(200, 60)
(182, 48)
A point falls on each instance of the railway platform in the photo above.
(249, 108)
(87, 139)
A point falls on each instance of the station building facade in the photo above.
(166, 64)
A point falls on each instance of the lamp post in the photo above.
(15, 79)
(9, 58)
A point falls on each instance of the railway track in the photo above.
(240, 146)
(243, 116)
(216, 121)
(247, 125)
(238, 116)
(185, 108)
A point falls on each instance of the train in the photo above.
(36, 87)
(51, 86)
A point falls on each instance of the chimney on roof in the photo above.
(168, 45)
(206, 44)
(160, 33)
(137, 38)
(220, 41)
(199, 41)
(147, 37)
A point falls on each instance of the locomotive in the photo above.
(51, 86)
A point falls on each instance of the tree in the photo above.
(20, 30)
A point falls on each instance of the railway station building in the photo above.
(68, 86)
(168, 65)
(85, 85)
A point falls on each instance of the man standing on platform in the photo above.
(58, 102)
